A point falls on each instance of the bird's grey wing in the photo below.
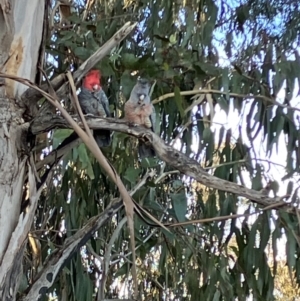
(103, 103)
(102, 137)
(87, 102)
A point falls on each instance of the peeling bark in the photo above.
(12, 171)
(28, 16)
(20, 38)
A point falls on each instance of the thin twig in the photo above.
(225, 217)
(225, 164)
(211, 91)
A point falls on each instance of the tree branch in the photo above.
(58, 259)
(173, 158)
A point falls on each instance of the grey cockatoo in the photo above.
(93, 100)
(139, 110)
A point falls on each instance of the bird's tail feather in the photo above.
(102, 137)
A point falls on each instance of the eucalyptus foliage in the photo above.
(245, 56)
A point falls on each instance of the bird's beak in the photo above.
(96, 87)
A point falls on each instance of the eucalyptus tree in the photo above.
(218, 203)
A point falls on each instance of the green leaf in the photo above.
(105, 67)
(179, 202)
(132, 174)
(225, 82)
(123, 270)
(177, 184)
(209, 25)
(189, 26)
(265, 231)
(257, 180)
(222, 172)
(23, 283)
(85, 160)
(223, 103)
(163, 255)
(129, 60)
(291, 249)
(67, 35)
(228, 47)
(290, 187)
(221, 136)
(206, 135)
(173, 39)
(59, 136)
(169, 73)
(83, 52)
(127, 83)
(149, 162)
(295, 195)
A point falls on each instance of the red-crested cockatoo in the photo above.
(93, 100)
(139, 110)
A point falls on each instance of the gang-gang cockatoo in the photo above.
(93, 100)
(139, 110)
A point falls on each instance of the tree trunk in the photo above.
(21, 24)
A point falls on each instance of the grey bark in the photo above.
(20, 38)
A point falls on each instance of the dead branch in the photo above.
(59, 258)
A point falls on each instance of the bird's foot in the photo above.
(132, 124)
